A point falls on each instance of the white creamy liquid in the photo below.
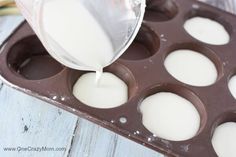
(224, 140)
(110, 91)
(191, 67)
(207, 30)
(232, 86)
(75, 29)
(170, 116)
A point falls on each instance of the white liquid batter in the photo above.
(77, 31)
(232, 86)
(170, 116)
(191, 68)
(110, 92)
(207, 30)
(224, 140)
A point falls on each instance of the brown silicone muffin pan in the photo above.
(26, 66)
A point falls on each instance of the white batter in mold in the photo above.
(207, 30)
(224, 140)
(170, 116)
(109, 92)
(191, 67)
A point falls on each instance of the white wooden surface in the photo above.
(26, 121)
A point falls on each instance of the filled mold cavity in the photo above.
(161, 10)
(206, 27)
(224, 136)
(29, 59)
(144, 46)
(173, 113)
(193, 65)
(232, 86)
(115, 87)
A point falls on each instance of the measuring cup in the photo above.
(120, 19)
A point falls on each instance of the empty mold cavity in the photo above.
(144, 46)
(193, 65)
(232, 86)
(29, 59)
(160, 10)
(207, 27)
(224, 136)
(173, 113)
(115, 87)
